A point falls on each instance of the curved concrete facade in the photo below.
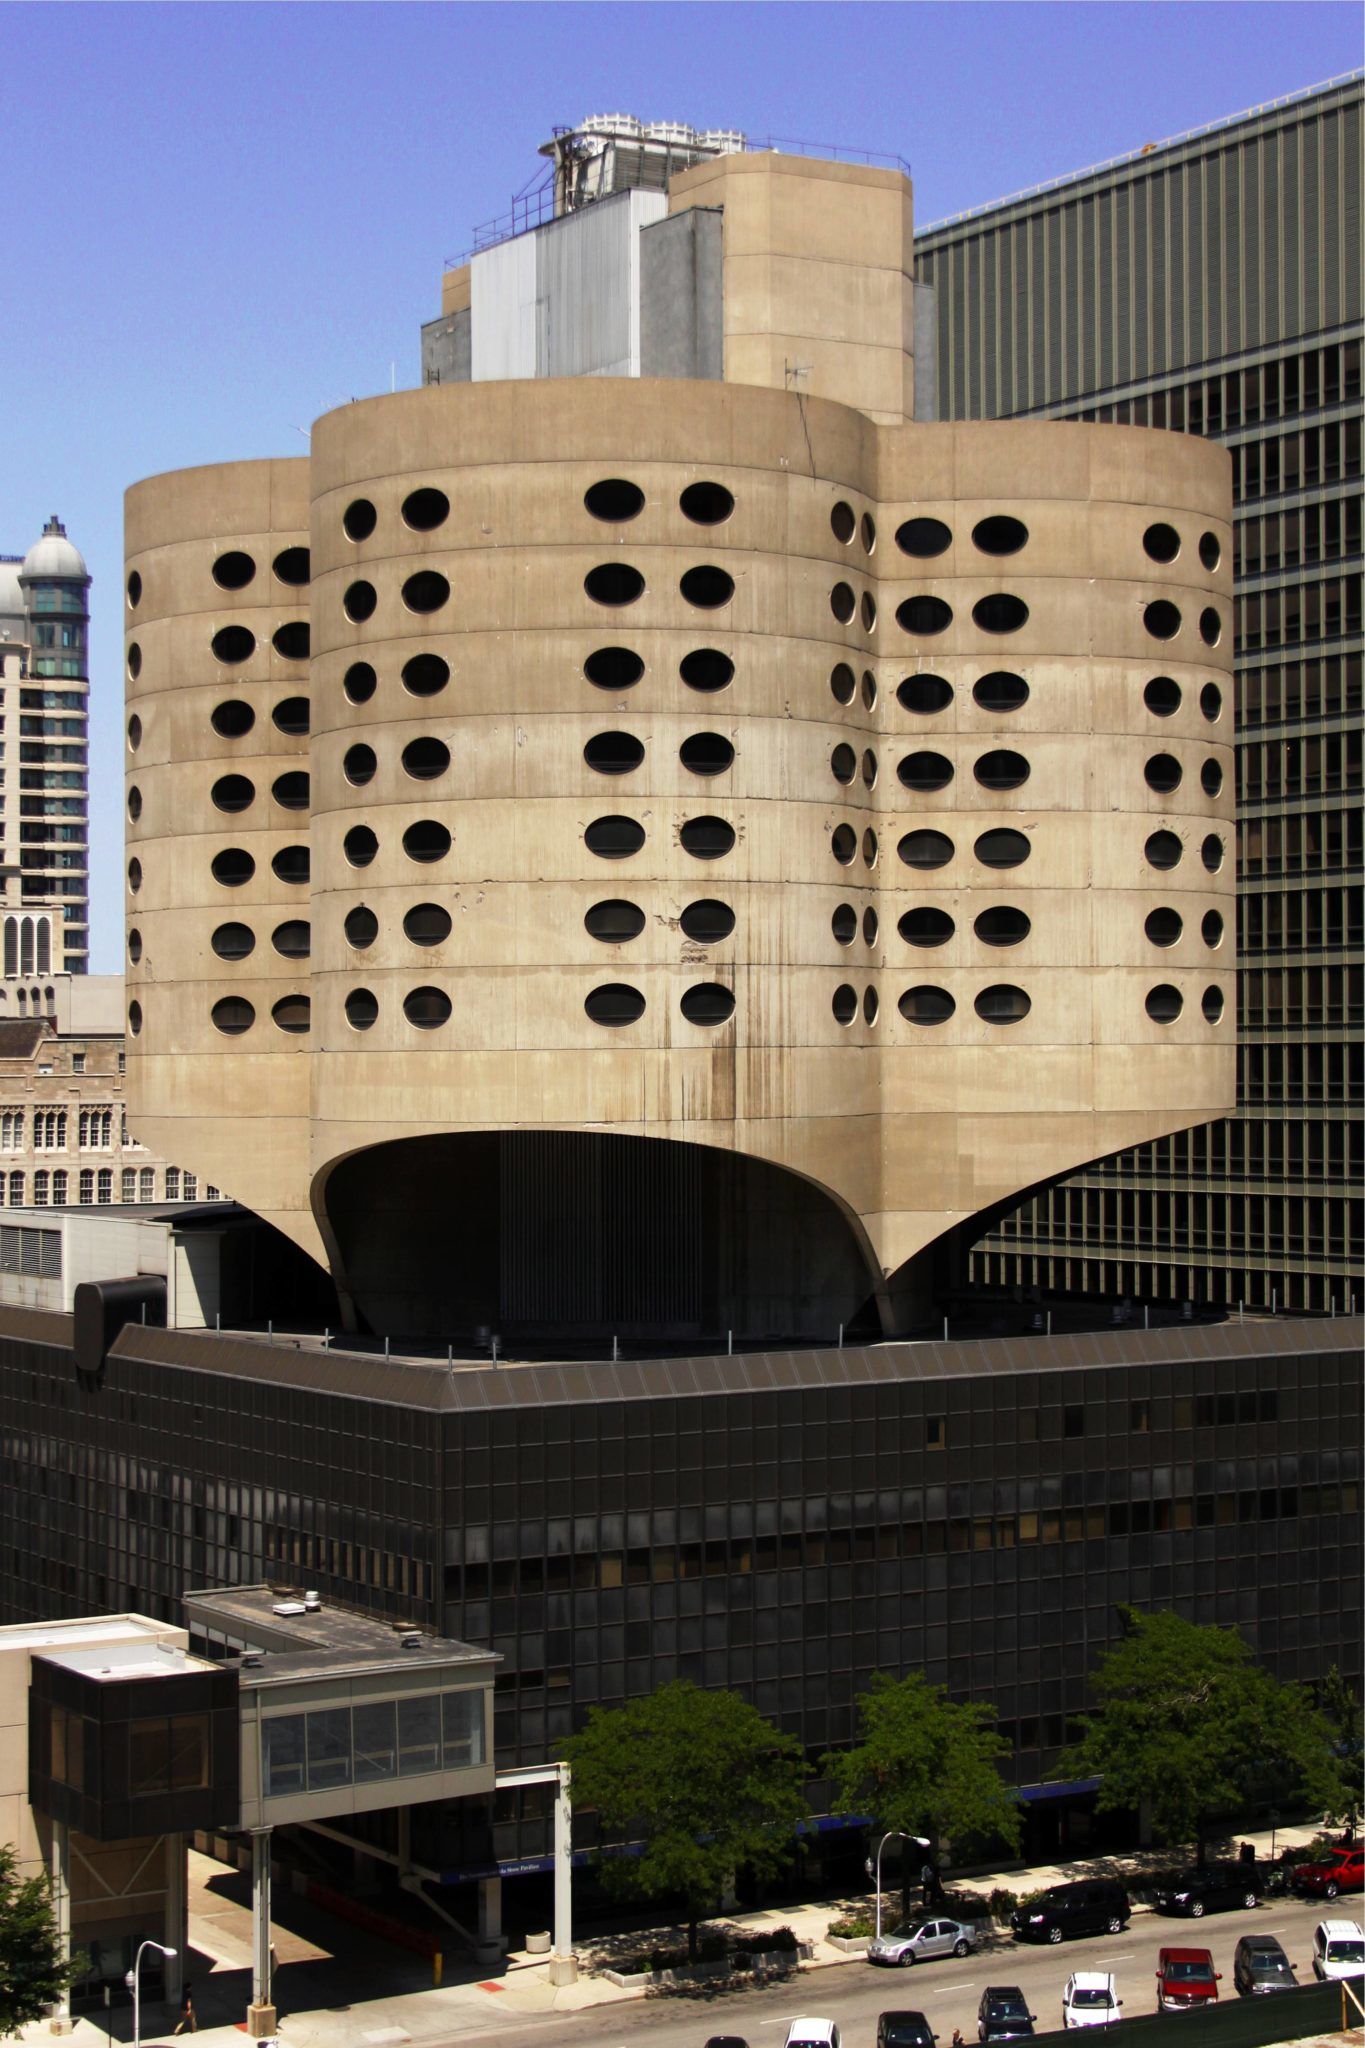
(1044, 1054)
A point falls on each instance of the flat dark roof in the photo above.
(326, 1638)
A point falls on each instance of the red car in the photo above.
(1185, 1979)
(1341, 1870)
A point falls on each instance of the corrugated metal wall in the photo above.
(564, 301)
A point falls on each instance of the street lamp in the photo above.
(134, 1982)
(922, 1842)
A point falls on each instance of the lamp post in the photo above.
(922, 1842)
(134, 1982)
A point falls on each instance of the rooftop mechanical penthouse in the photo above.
(674, 854)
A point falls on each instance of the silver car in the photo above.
(918, 1940)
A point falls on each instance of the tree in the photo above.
(1340, 1709)
(925, 1765)
(1187, 1722)
(700, 1781)
(33, 1974)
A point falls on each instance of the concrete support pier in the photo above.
(261, 2018)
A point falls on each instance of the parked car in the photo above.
(1208, 1889)
(1003, 2014)
(918, 1940)
(813, 2033)
(1260, 1964)
(727, 2041)
(904, 2030)
(1096, 1905)
(1090, 1999)
(1338, 1949)
(1186, 1979)
(1341, 1870)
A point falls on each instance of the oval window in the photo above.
(1002, 770)
(1163, 850)
(843, 763)
(869, 768)
(867, 611)
(1163, 926)
(1000, 691)
(134, 733)
(926, 926)
(232, 1015)
(614, 499)
(707, 586)
(842, 602)
(1162, 696)
(234, 570)
(1210, 626)
(1163, 773)
(1211, 928)
(1161, 542)
(844, 924)
(613, 753)
(1211, 778)
(134, 803)
(1003, 1004)
(924, 694)
(233, 719)
(870, 847)
(707, 922)
(360, 846)
(426, 592)
(360, 601)
(843, 844)
(425, 674)
(614, 1003)
(134, 590)
(1210, 550)
(842, 522)
(924, 615)
(842, 683)
(844, 1003)
(706, 753)
(614, 922)
(1002, 848)
(1000, 613)
(427, 1008)
(233, 792)
(135, 1019)
(359, 682)
(1161, 619)
(614, 583)
(706, 668)
(1211, 853)
(233, 644)
(291, 864)
(135, 945)
(613, 668)
(427, 924)
(292, 641)
(361, 927)
(871, 1004)
(926, 849)
(293, 565)
(134, 660)
(135, 875)
(232, 867)
(1164, 1003)
(706, 504)
(923, 538)
(358, 765)
(290, 791)
(426, 840)
(230, 941)
(867, 529)
(707, 838)
(926, 1005)
(1002, 925)
(426, 758)
(293, 940)
(359, 519)
(614, 838)
(362, 1008)
(708, 1003)
(869, 689)
(1211, 702)
(1000, 534)
(292, 716)
(425, 509)
(1211, 1003)
(870, 926)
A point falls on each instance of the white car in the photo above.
(810, 2033)
(1090, 2000)
(1338, 1949)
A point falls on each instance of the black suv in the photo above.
(1196, 1892)
(1003, 2014)
(905, 2030)
(1097, 1905)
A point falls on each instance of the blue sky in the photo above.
(222, 220)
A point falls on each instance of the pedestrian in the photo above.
(957, 2041)
(1247, 1853)
(188, 2022)
(926, 1882)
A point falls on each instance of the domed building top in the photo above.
(11, 596)
(54, 556)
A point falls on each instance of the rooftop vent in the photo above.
(286, 1608)
(410, 1639)
(312, 1600)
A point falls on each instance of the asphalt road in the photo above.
(947, 1991)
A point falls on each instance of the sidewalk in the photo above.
(322, 1990)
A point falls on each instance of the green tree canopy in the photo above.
(925, 1764)
(1187, 1723)
(1341, 1710)
(33, 1974)
(700, 1781)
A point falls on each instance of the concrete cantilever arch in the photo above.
(687, 848)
